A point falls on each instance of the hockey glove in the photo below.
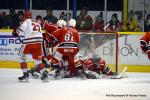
(14, 33)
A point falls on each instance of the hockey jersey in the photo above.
(67, 37)
(145, 42)
(98, 66)
(49, 28)
(31, 30)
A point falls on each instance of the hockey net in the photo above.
(104, 45)
(119, 50)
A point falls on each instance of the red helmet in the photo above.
(27, 14)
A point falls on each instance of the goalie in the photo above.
(145, 44)
(94, 66)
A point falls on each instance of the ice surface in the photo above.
(135, 87)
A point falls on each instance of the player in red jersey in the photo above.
(94, 66)
(49, 40)
(145, 43)
(32, 44)
(67, 50)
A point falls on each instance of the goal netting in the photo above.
(119, 50)
(100, 44)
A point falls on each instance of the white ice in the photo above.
(135, 87)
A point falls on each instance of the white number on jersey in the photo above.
(36, 26)
(68, 37)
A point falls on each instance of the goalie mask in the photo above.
(96, 59)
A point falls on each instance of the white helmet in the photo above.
(61, 23)
(72, 23)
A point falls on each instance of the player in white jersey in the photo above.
(32, 44)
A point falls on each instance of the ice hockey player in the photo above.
(49, 40)
(32, 44)
(145, 43)
(67, 50)
(94, 66)
(49, 43)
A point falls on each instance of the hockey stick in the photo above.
(121, 75)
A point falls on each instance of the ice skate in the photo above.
(24, 78)
(82, 74)
(32, 72)
(44, 77)
(57, 74)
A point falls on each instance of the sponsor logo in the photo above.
(9, 40)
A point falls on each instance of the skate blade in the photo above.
(24, 81)
(83, 78)
(46, 80)
(35, 77)
(57, 78)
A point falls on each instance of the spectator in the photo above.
(1, 20)
(131, 24)
(69, 16)
(62, 16)
(147, 24)
(38, 18)
(20, 17)
(99, 22)
(114, 24)
(11, 20)
(84, 21)
(50, 17)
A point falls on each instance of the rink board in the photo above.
(9, 47)
(131, 68)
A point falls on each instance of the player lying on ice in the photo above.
(93, 68)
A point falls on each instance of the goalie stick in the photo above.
(121, 75)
